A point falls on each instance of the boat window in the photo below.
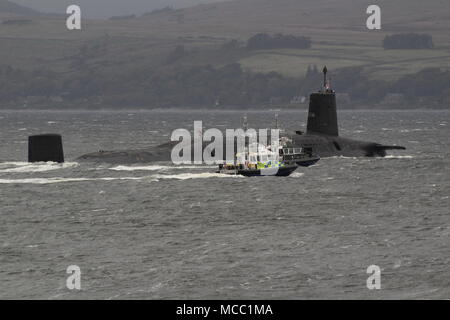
(337, 146)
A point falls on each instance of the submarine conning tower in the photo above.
(45, 148)
(322, 114)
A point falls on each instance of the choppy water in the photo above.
(158, 231)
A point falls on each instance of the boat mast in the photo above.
(245, 123)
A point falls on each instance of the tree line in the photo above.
(279, 41)
(175, 82)
(408, 41)
(206, 86)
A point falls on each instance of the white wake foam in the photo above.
(152, 178)
(297, 175)
(66, 180)
(157, 168)
(142, 168)
(399, 157)
(343, 157)
(18, 167)
(187, 176)
(371, 158)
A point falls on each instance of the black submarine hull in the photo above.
(161, 153)
(322, 135)
(329, 146)
(320, 146)
(321, 139)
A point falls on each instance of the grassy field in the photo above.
(337, 28)
(377, 62)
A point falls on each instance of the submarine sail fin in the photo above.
(322, 115)
(45, 147)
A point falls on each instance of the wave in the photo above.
(371, 158)
(157, 168)
(142, 168)
(66, 180)
(152, 178)
(399, 157)
(204, 175)
(297, 175)
(344, 157)
(23, 167)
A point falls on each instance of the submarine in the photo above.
(322, 133)
(321, 137)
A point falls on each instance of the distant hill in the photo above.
(8, 7)
(200, 55)
(310, 15)
(337, 29)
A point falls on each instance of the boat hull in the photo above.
(276, 172)
(307, 162)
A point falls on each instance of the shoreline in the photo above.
(198, 109)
